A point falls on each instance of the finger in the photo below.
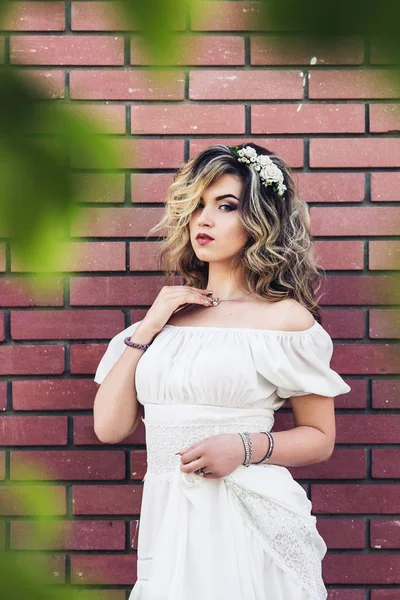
(195, 465)
(191, 455)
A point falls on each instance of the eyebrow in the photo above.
(223, 197)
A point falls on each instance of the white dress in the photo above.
(250, 535)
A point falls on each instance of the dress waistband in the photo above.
(170, 428)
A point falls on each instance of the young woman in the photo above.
(222, 517)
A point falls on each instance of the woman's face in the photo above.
(217, 215)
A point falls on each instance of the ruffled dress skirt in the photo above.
(247, 536)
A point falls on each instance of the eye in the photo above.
(226, 205)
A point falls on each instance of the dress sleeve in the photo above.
(113, 352)
(298, 363)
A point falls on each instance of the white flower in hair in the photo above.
(270, 173)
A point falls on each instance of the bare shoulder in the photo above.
(288, 314)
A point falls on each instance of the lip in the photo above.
(204, 236)
(203, 240)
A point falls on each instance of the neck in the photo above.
(224, 283)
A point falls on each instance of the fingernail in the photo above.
(177, 453)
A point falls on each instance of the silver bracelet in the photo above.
(248, 447)
(270, 449)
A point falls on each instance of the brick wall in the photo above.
(333, 117)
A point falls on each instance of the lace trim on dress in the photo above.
(290, 540)
(163, 441)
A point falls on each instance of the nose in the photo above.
(203, 218)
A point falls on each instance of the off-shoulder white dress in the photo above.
(250, 535)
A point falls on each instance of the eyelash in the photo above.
(229, 205)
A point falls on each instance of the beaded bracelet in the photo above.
(131, 344)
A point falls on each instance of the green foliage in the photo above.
(23, 574)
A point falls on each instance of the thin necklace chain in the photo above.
(228, 299)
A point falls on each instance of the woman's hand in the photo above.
(218, 455)
(168, 300)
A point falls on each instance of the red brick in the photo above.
(356, 398)
(138, 154)
(384, 118)
(138, 464)
(132, 85)
(340, 255)
(180, 119)
(16, 500)
(108, 16)
(219, 16)
(66, 324)
(300, 50)
(54, 394)
(71, 464)
(2, 256)
(107, 499)
(367, 290)
(31, 360)
(307, 118)
(384, 255)
(385, 533)
(143, 256)
(50, 567)
(358, 291)
(115, 291)
(356, 499)
(355, 152)
(385, 187)
(2, 465)
(34, 16)
(105, 569)
(352, 84)
(137, 314)
(383, 51)
(345, 323)
(367, 359)
(346, 534)
(86, 357)
(195, 50)
(84, 433)
(245, 85)
(48, 84)
(24, 291)
(2, 535)
(385, 463)
(384, 323)
(367, 429)
(355, 220)
(362, 569)
(88, 256)
(107, 119)
(290, 149)
(99, 187)
(3, 395)
(345, 594)
(67, 50)
(2, 327)
(331, 187)
(150, 187)
(117, 222)
(70, 535)
(385, 594)
(33, 431)
(343, 464)
(386, 393)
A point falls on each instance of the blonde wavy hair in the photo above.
(278, 256)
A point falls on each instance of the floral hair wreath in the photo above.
(270, 173)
